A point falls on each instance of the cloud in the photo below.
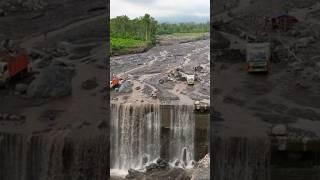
(161, 9)
(140, 1)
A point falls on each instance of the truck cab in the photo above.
(4, 73)
(190, 79)
(258, 57)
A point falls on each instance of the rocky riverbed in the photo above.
(160, 69)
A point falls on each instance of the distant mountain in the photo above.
(183, 19)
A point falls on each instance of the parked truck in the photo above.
(258, 57)
(190, 78)
(13, 64)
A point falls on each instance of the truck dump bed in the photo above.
(17, 62)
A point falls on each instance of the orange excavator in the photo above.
(115, 82)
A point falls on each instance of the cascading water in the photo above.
(53, 156)
(137, 131)
(241, 158)
(182, 135)
(135, 135)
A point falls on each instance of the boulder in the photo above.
(13, 117)
(126, 87)
(34, 4)
(151, 167)
(177, 173)
(21, 88)
(43, 62)
(198, 68)
(279, 130)
(36, 54)
(204, 162)
(138, 88)
(133, 174)
(243, 35)
(147, 90)
(102, 124)
(305, 33)
(304, 42)
(159, 165)
(53, 81)
(162, 163)
(90, 84)
(294, 33)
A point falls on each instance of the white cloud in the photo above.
(161, 9)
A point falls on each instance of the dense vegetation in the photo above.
(141, 32)
(142, 28)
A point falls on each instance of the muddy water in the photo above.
(53, 157)
(143, 133)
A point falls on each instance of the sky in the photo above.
(163, 10)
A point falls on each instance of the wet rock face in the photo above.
(54, 81)
(133, 174)
(159, 165)
(174, 173)
(53, 157)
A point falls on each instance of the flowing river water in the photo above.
(54, 156)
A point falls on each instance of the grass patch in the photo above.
(120, 43)
(120, 46)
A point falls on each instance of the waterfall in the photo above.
(135, 135)
(12, 157)
(241, 158)
(182, 135)
(53, 156)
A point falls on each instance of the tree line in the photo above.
(142, 28)
(166, 28)
(146, 28)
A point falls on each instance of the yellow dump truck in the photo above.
(258, 57)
